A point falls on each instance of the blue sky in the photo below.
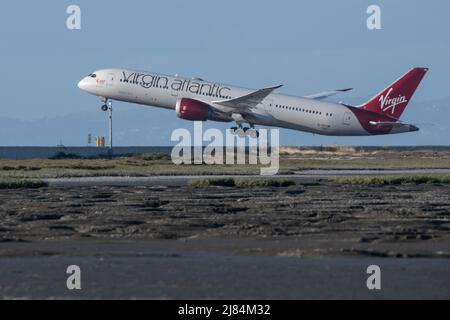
(309, 46)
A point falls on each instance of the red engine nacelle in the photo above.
(191, 109)
(194, 110)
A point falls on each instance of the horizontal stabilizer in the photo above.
(394, 125)
(386, 124)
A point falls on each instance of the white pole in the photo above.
(110, 125)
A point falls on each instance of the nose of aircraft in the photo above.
(83, 84)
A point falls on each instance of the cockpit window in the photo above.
(93, 75)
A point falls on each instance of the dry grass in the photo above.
(395, 180)
(327, 149)
(158, 164)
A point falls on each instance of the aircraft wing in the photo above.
(326, 94)
(247, 101)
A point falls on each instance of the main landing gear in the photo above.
(242, 132)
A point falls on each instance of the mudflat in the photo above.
(313, 239)
(391, 217)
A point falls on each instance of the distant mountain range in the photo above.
(145, 126)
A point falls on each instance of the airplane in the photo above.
(198, 100)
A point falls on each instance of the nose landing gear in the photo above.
(107, 106)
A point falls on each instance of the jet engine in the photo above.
(191, 109)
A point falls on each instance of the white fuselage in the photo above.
(277, 110)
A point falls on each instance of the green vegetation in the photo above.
(224, 182)
(242, 183)
(16, 184)
(152, 157)
(264, 183)
(394, 180)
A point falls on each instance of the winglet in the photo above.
(344, 90)
(277, 86)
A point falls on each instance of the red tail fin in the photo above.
(392, 101)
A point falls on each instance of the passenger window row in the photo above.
(302, 110)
